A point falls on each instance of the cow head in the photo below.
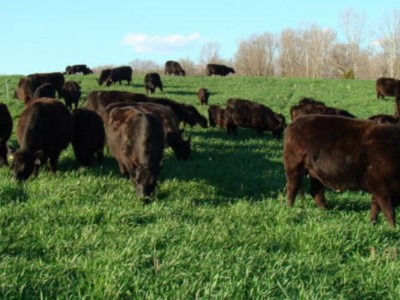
(109, 81)
(281, 125)
(145, 181)
(232, 70)
(182, 72)
(25, 163)
(180, 147)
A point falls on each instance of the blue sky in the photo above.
(47, 35)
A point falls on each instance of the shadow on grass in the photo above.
(13, 192)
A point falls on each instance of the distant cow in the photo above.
(27, 85)
(6, 125)
(173, 135)
(89, 136)
(355, 155)
(203, 95)
(103, 76)
(152, 81)
(216, 69)
(386, 86)
(216, 116)
(44, 129)
(45, 90)
(385, 119)
(307, 108)
(69, 70)
(309, 100)
(173, 67)
(118, 74)
(136, 140)
(246, 113)
(71, 93)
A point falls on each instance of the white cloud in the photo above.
(158, 43)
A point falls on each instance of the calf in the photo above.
(89, 136)
(136, 140)
(6, 125)
(216, 116)
(216, 69)
(355, 155)
(44, 129)
(71, 93)
(203, 95)
(246, 113)
(151, 82)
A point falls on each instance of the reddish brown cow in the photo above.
(246, 113)
(216, 116)
(355, 155)
(203, 95)
(310, 108)
(386, 86)
(44, 129)
(136, 140)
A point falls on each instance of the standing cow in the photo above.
(216, 69)
(104, 74)
(6, 125)
(355, 155)
(44, 129)
(151, 82)
(173, 67)
(386, 86)
(71, 93)
(118, 74)
(203, 95)
(246, 113)
(136, 140)
(69, 70)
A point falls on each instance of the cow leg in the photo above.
(386, 205)
(294, 177)
(100, 156)
(53, 162)
(317, 191)
(231, 128)
(375, 209)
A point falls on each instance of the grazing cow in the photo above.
(27, 85)
(151, 82)
(203, 95)
(118, 74)
(386, 87)
(69, 70)
(103, 76)
(216, 116)
(136, 140)
(356, 155)
(46, 90)
(71, 93)
(308, 108)
(173, 136)
(173, 67)
(215, 69)
(44, 129)
(89, 136)
(245, 113)
(6, 125)
(385, 119)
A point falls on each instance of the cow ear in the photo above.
(38, 157)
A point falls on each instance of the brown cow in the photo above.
(310, 107)
(44, 129)
(216, 69)
(246, 113)
(216, 116)
(89, 136)
(203, 95)
(386, 86)
(355, 155)
(71, 93)
(173, 136)
(136, 140)
(6, 125)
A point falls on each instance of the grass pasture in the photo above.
(219, 227)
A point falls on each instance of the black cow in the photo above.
(216, 69)
(103, 76)
(173, 67)
(45, 90)
(89, 136)
(344, 154)
(118, 74)
(6, 125)
(69, 70)
(71, 93)
(44, 129)
(246, 113)
(136, 140)
(151, 82)
(203, 95)
(386, 86)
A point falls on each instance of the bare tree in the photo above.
(256, 55)
(145, 66)
(292, 54)
(209, 53)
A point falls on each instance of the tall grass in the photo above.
(219, 227)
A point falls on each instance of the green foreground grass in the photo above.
(219, 227)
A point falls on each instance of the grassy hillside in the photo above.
(219, 228)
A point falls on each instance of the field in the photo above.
(219, 227)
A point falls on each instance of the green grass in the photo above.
(219, 227)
